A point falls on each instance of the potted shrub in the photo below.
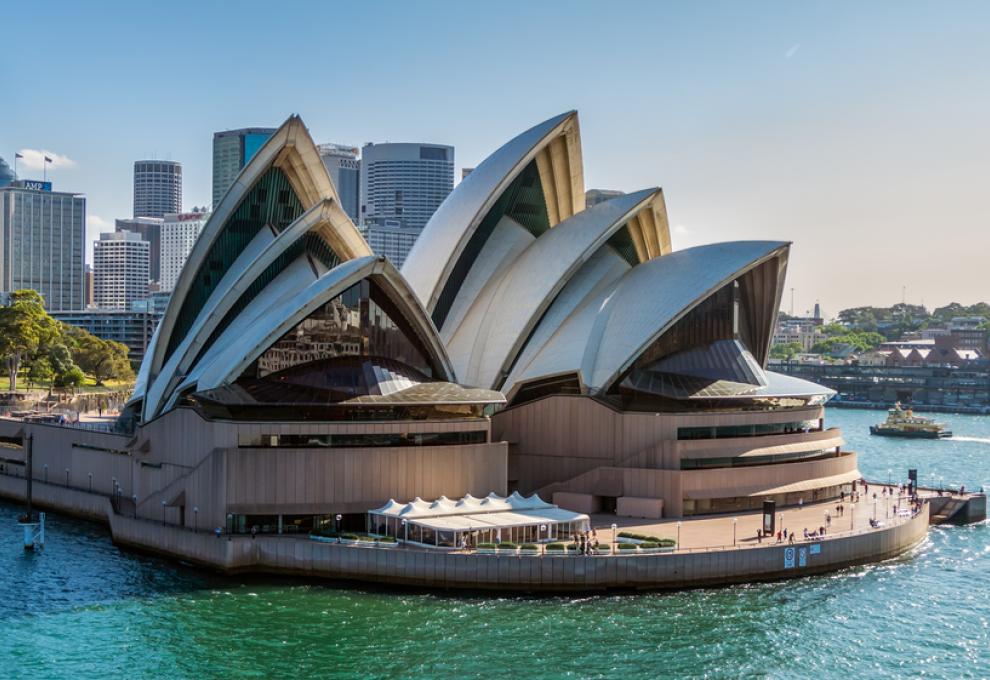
(603, 549)
(507, 547)
(486, 548)
(627, 548)
(529, 549)
(649, 547)
(556, 549)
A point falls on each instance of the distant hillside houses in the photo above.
(903, 335)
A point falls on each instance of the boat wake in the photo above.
(981, 440)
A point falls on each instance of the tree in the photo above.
(24, 328)
(102, 359)
(74, 377)
(785, 350)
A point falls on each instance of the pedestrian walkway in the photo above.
(740, 529)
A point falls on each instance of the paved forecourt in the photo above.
(707, 532)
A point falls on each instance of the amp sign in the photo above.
(35, 184)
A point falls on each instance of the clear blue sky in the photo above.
(861, 131)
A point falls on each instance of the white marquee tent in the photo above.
(450, 524)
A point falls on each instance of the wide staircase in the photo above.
(957, 509)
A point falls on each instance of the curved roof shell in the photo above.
(601, 338)
(489, 336)
(554, 145)
(269, 324)
(299, 173)
(324, 228)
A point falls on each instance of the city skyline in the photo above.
(792, 123)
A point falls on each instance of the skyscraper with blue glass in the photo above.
(232, 149)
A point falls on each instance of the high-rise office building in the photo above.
(133, 327)
(345, 169)
(231, 150)
(120, 269)
(42, 242)
(150, 229)
(179, 234)
(88, 286)
(596, 196)
(402, 185)
(157, 188)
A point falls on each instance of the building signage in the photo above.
(788, 558)
(802, 557)
(36, 185)
(816, 548)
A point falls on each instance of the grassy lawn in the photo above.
(88, 387)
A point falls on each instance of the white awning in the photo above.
(500, 520)
(469, 505)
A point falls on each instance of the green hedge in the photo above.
(530, 546)
(647, 545)
(627, 546)
(661, 542)
(507, 545)
(486, 546)
(556, 547)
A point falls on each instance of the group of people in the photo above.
(785, 536)
(585, 542)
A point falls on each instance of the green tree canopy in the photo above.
(25, 327)
(102, 359)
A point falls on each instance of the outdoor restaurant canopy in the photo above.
(469, 514)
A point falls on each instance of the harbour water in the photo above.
(82, 608)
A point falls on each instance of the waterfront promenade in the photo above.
(739, 530)
(703, 565)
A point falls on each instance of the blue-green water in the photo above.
(84, 609)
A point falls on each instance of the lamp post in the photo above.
(163, 513)
(614, 539)
(196, 518)
(405, 531)
(678, 535)
(734, 521)
(889, 473)
(66, 477)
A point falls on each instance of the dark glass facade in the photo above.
(311, 246)
(360, 440)
(749, 461)
(322, 351)
(754, 430)
(270, 204)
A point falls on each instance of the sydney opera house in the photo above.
(529, 344)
